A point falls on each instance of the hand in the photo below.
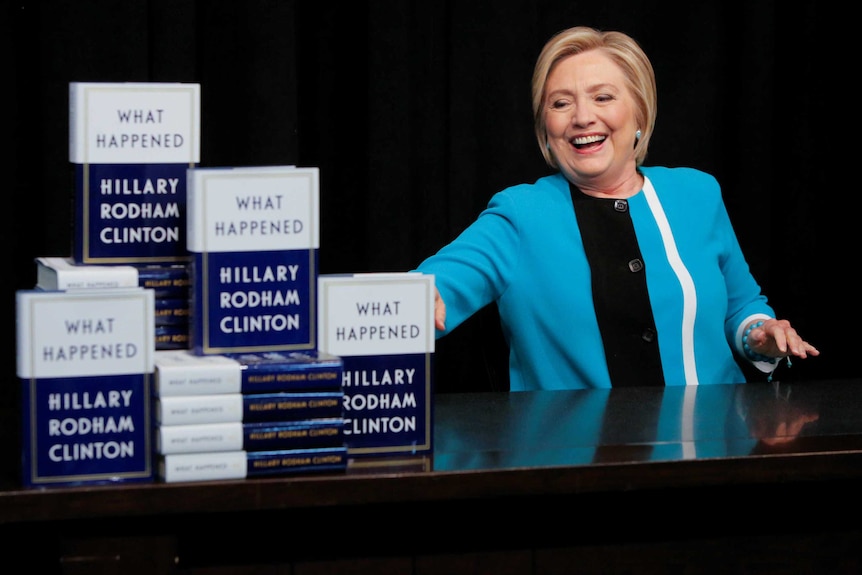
(777, 338)
(774, 416)
(439, 311)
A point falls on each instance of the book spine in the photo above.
(172, 312)
(179, 373)
(168, 281)
(225, 465)
(265, 377)
(235, 407)
(172, 337)
(196, 409)
(249, 436)
(292, 406)
(253, 239)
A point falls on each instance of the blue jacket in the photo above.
(524, 251)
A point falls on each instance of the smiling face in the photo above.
(589, 116)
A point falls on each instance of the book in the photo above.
(181, 372)
(209, 466)
(130, 144)
(253, 238)
(172, 337)
(382, 327)
(85, 369)
(57, 273)
(167, 281)
(172, 311)
(239, 436)
(61, 273)
(240, 407)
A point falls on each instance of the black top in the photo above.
(620, 293)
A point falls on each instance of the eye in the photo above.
(604, 98)
(559, 104)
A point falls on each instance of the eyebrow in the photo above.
(592, 89)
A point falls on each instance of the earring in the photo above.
(637, 135)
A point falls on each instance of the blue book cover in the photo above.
(210, 466)
(247, 408)
(253, 237)
(85, 367)
(240, 436)
(382, 327)
(181, 372)
(130, 145)
(130, 213)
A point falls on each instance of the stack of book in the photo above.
(261, 365)
(238, 416)
(170, 285)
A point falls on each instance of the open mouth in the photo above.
(585, 142)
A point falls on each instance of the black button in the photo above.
(621, 205)
(636, 265)
(648, 335)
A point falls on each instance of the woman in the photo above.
(609, 273)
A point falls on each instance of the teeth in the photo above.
(588, 139)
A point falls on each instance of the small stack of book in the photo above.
(235, 416)
(173, 303)
(169, 282)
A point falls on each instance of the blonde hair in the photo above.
(625, 52)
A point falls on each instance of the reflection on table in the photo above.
(585, 427)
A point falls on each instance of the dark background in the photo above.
(416, 112)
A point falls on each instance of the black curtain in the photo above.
(417, 112)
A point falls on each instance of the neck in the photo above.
(625, 187)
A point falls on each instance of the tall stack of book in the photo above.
(251, 395)
(246, 415)
(131, 145)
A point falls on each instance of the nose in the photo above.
(582, 114)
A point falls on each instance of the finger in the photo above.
(811, 350)
(781, 333)
(780, 337)
(439, 312)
